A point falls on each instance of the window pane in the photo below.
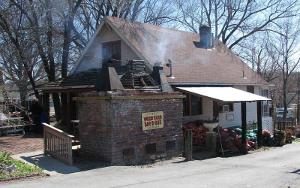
(185, 107)
(264, 92)
(250, 89)
(196, 105)
(111, 50)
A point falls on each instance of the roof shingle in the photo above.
(191, 65)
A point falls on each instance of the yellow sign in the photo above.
(152, 120)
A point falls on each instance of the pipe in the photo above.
(169, 64)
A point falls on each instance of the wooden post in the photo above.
(189, 102)
(244, 125)
(188, 145)
(68, 112)
(46, 106)
(259, 123)
(45, 141)
(70, 152)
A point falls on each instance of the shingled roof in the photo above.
(191, 65)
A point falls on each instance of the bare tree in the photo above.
(58, 30)
(47, 33)
(91, 14)
(16, 56)
(52, 33)
(234, 21)
(283, 49)
(14, 70)
(40, 34)
(256, 52)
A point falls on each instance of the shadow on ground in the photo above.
(202, 155)
(51, 165)
(199, 155)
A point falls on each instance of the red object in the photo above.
(266, 133)
(198, 131)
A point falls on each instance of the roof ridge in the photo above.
(112, 18)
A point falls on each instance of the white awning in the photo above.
(226, 94)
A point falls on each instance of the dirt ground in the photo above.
(16, 144)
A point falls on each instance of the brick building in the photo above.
(131, 69)
(111, 127)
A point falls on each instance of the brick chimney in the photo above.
(205, 37)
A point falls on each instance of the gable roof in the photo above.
(191, 65)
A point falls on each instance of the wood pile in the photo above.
(198, 132)
(136, 76)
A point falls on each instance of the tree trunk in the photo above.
(284, 90)
(56, 103)
(64, 71)
(23, 93)
(298, 97)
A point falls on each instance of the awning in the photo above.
(226, 94)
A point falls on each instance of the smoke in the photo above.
(91, 60)
(161, 44)
(158, 45)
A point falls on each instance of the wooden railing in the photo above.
(58, 144)
(283, 125)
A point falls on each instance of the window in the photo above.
(185, 106)
(250, 89)
(223, 108)
(196, 105)
(111, 51)
(265, 93)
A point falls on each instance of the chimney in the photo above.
(205, 37)
(160, 77)
(107, 79)
(157, 69)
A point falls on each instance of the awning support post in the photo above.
(244, 125)
(259, 123)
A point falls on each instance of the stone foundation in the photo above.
(111, 126)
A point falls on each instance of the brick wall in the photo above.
(111, 129)
(95, 129)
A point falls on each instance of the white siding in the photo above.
(93, 57)
(251, 117)
(251, 112)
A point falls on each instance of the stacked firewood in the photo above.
(198, 131)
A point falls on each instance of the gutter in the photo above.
(211, 84)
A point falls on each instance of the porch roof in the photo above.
(226, 94)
